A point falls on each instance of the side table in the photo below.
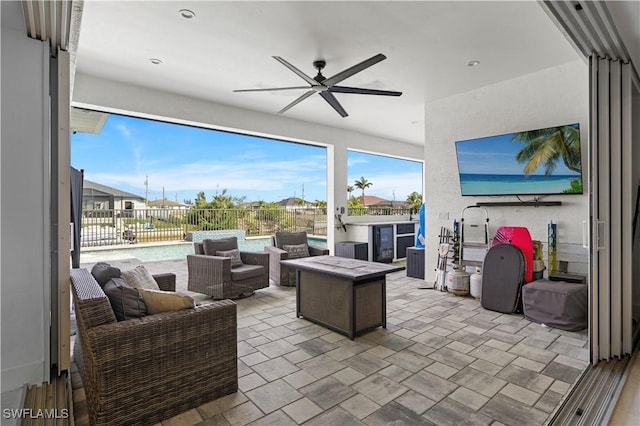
(352, 250)
(415, 262)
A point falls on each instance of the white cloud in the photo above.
(356, 161)
(238, 177)
(124, 130)
(254, 175)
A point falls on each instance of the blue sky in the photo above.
(185, 160)
(496, 155)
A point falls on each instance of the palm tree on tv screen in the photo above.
(545, 147)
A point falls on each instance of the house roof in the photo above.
(165, 203)
(372, 200)
(291, 201)
(89, 186)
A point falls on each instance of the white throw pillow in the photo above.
(140, 277)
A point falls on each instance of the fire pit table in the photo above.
(344, 295)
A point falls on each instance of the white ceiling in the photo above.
(229, 45)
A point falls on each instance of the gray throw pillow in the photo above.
(126, 302)
(296, 251)
(103, 272)
(211, 246)
(234, 254)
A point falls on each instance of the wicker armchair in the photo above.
(281, 274)
(214, 275)
(145, 370)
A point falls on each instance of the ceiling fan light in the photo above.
(187, 14)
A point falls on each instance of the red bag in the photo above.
(520, 237)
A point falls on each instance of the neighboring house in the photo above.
(293, 203)
(252, 205)
(96, 196)
(373, 201)
(167, 204)
(167, 209)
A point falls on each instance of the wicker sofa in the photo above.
(144, 370)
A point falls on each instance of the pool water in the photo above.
(175, 251)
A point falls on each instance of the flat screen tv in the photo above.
(534, 162)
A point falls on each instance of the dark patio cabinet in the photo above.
(352, 250)
(415, 262)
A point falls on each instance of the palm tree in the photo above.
(414, 200)
(546, 146)
(362, 184)
(349, 189)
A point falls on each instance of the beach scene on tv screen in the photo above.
(534, 162)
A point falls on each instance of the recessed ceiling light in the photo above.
(187, 14)
(473, 63)
(155, 61)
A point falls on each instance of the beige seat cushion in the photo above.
(140, 277)
(158, 301)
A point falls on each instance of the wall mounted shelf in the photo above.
(518, 203)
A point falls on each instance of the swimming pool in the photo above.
(152, 253)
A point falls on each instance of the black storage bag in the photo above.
(502, 277)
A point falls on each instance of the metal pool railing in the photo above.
(122, 226)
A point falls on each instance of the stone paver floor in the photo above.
(441, 360)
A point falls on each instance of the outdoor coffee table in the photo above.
(344, 295)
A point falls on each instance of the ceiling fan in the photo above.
(326, 87)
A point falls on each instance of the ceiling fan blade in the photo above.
(354, 69)
(305, 77)
(334, 103)
(362, 91)
(297, 101)
(273, 88)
